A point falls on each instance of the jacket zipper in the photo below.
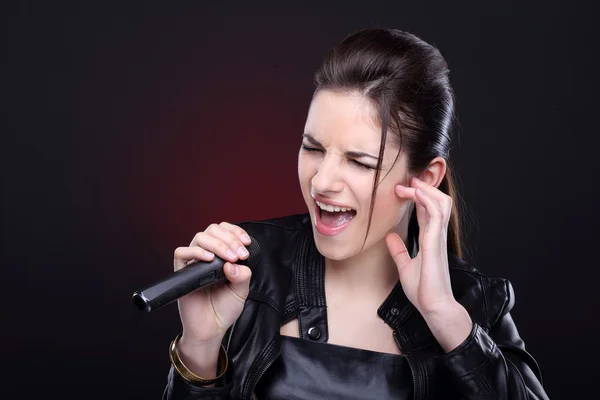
(415, 368)
(269, 355)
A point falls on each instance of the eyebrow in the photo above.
(354, 154)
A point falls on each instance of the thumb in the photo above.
(397, 249)
(238, 277)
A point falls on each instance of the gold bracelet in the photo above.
(188, 375)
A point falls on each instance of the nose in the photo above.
(327, 180)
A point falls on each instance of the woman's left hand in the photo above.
(425, 279)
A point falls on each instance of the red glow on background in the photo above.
(212, 154)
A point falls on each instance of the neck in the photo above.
(371, 271)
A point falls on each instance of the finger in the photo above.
(436, 194)
(397, 249)
(434, 213)
(239, 279)
(422, 220)
(405, 192)
(410, 193)
(183, 255)
(215, 242)
(237, 231)
(234, 242)
(427, 188)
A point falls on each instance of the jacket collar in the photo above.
(396, 310)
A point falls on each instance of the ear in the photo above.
(434, 173)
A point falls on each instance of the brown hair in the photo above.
(407, 80)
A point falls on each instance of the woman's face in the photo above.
(336, 167)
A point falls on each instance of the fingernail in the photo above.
(245, 238)
(242, 252)
(422, 193)
(230, 254)
(208, 254)
(235, 270)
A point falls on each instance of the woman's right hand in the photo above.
(207, 313)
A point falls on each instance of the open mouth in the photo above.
(330, 219)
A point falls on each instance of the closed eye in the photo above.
(354, 162)
(361, 165)
(308, 148)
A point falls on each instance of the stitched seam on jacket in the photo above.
(265, 300)
(309, 275)
(482, 384)
(300, 283)
(475, 371)
(290, 308)
(486, 388)
(264, 355)
(290, 311)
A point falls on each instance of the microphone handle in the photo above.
(186, 280)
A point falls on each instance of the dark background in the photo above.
(130, 128)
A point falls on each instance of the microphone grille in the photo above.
(254, 250)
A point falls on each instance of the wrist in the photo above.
(443, 312)
(200, 357)
(191, 341)
(451, 325)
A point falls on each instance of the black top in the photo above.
(308, 369)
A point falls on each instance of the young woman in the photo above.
(366, 296)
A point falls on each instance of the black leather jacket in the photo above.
(288, 283)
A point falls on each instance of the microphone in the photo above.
(188, 279)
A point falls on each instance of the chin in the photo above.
(333, 250)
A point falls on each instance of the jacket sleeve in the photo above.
(494, 364)
(179, 389)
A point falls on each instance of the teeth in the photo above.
(330, 208)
